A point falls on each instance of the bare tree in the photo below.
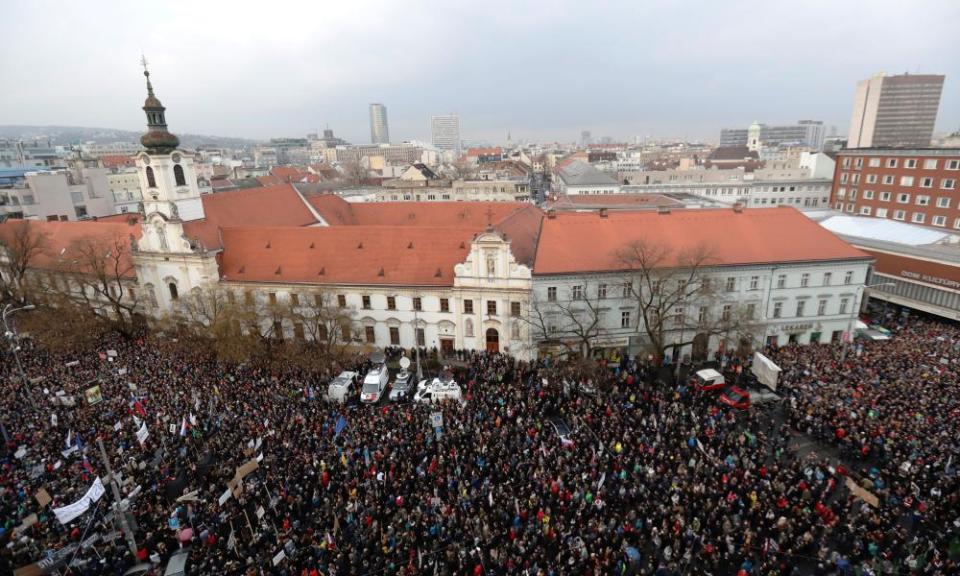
(103, 270)
(21, 243)
(63, 324)
(677, 302)
(354, 172)
(573, 320)
(214, 316)
(328, 325)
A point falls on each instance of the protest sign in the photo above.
(43, 497)
(860, 492)
(93, 395)
(142, 433)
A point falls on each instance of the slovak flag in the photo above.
(86, 463)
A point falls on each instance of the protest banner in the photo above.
(862, 493)
(247, 468)
(65, 514)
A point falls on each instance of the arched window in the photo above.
(178, 175)
(151, 181)
(173, 291)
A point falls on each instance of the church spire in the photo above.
(157, 140)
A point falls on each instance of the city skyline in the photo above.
(624, 85)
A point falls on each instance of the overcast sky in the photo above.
(540, 70)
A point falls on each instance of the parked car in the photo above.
(401, 387)
(437, 390)
(374, 383)
(339, 387)
(709, 380)
(736, 398)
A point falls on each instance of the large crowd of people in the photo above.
(653, 477)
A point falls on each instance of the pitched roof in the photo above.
(728, 153)
(61, 238)
(268, 206)
(580, 173)
(522, 228)
(384, 255)
(472, 215)
(575, 242)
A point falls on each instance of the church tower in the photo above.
(169, 264)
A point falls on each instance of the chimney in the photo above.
(603, 212)
(738, 207)
(663, 209)
(552, 214)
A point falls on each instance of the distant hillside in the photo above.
(67, 135)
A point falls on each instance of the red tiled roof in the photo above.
(270, 180)
(584, 242)
(619, 200)
(522, 228)
(218, 183)
(61, 238)
(387, 255)
(491, 151)
(473, 215)
(117, 161)
(268, 206)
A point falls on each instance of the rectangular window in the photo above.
(294, 298)
(552, 294)
(827, 276)
(865, 210)
(627, 289)
(821, 307)
(948, 183)
(868, 194)
(751, 311)
(417, 303)
(777, 309)
(881, 212)
(366, 302)
(884, 196)
(873, 163)
(678, 315)
(919, 217)
(394, 335)
(939, 220)
(731, 284)
(899, 214)
(906, 180)
(391, 302)
(341, 300)
(844, 302)
(754, 282)
(804, 280)
(903, 198)
(601, 291)
(781, 281)
(421, 337)
(298, 330)
(888, 179)
(910, 163)
(625, 319)
(930, 164)
(468, 306)
(515, 309)
(923, 200)
(491, 307)
(801, 304)
(370, 334)
(727, 312)
(345, 332)
(576, 292)
(891, 162)
(444, 304)
(871, 178)
(953, 165)
(702, 314)
(926, 182)
(272, 297)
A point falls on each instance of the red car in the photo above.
(736, 398)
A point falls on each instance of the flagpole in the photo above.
(131, 540)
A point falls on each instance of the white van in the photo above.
(339, 387)
(437, 390)
(374, 383)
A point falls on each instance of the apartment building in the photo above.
(908, 185)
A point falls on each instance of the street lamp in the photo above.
(8, 310)
(856, 307)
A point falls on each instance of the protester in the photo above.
(654, 478)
